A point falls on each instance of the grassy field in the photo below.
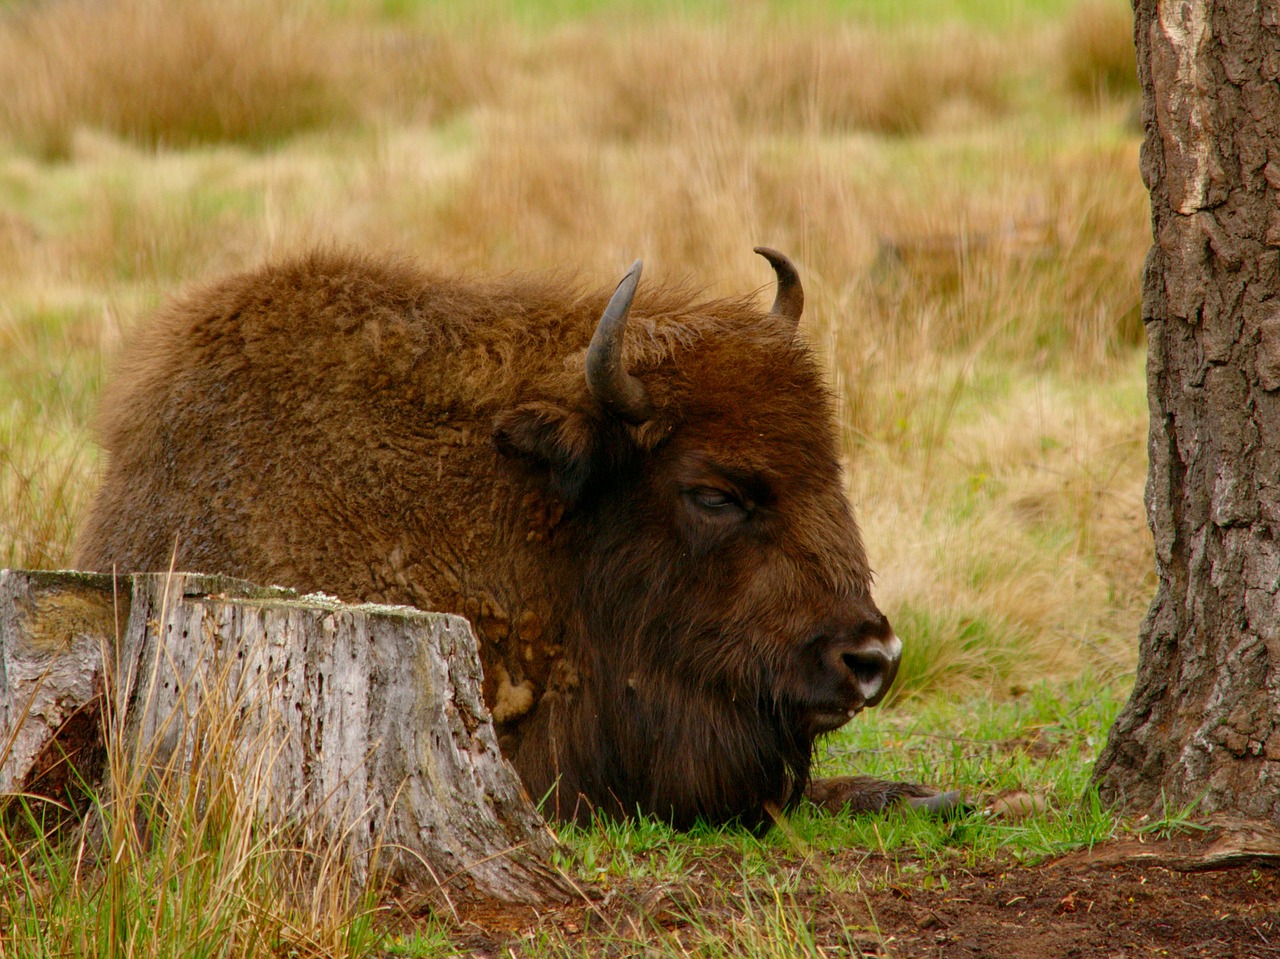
(957, 183)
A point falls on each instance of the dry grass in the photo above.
(1039, 562)
(163, 73)
(774, 78)
(177, 73)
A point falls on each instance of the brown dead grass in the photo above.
(775, 78)
(166, 73)
(176, 73)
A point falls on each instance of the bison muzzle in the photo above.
(635, 498)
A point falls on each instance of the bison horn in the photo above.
(790, 299)
(607, 379)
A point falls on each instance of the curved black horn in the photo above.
(607, 379)
(790, 299)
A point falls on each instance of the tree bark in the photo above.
(357, 725)
(1203, 723)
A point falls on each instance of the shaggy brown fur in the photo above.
(668, 613)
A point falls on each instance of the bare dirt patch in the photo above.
(1121, 901)
(1075, 907)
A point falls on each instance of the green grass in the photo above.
(429, 939)
(1042, 742)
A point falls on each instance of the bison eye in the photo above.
(716, 502)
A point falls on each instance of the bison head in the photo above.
(714, 578)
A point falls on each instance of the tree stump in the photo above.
(360, 725)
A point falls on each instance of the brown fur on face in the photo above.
(666, 611)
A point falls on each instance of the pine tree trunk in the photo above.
(1203, 723)
(357, 725)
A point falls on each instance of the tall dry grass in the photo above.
(166, 74)
(178, 73)
(776, 77)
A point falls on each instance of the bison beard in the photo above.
(640, 510)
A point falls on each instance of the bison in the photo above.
(636, 499)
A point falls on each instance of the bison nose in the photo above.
(868, 663)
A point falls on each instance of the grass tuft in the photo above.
(166, 74)
(1042, 741)
(172, 74)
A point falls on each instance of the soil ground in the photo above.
(1119, 901)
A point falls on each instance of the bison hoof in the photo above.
(861, 794)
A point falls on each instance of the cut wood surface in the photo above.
(361, 725)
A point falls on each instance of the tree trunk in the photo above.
(1203, 723)
(362, 725)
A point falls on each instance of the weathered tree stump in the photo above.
(360, 725)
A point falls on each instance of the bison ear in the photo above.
(552, 438)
